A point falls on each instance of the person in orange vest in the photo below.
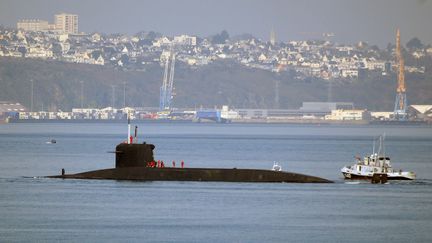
(182, 164)
(173, 163)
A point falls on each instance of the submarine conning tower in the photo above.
(134, 155)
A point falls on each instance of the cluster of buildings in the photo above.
(321, 59)
(63, 23)
(309, 112)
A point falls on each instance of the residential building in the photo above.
(185, 40)
(32, 25)
(68, 23)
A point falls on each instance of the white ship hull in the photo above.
(390, 176)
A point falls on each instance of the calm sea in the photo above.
(37, 209)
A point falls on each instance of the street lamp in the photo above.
(82, 93)
(124, 94)
(31, 96)
(113, 96)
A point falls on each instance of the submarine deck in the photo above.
(194, 174)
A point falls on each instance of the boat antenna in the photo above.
(384, 147)
(373, 148)
(128, 137)
(379, 146)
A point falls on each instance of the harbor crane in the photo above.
(166, 90)
(400, 108)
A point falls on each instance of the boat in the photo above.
(52, 141)
(135, 161)
(375, 164)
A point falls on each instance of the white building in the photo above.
(67, 23)
(420, 111)
(382, 115)
(351, 73)
(185, 40)
(32, 25)
(350, 115)
(226, 113)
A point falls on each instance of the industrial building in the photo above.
(307, 110)
(349, 115)
(10, 109)
(420, 112)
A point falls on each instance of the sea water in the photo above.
(37, 209)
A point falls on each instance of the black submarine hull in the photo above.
(194, 174)
(136, 162)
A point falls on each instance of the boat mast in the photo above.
(379, 146)
(128, 118)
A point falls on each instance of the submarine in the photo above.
(134, 161)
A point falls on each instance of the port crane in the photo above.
(166, 90)
(400, 112)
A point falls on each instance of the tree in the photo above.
(95, 54)
(57, 49)
(390, 47)
(23, 50)
(220, 38)
(125, 59)
(152, 35)
(414, 44)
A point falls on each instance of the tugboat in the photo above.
(375, 164)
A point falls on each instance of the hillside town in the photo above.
(320, 58)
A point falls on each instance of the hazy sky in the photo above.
(373, 21)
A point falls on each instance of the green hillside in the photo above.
(57, 86)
